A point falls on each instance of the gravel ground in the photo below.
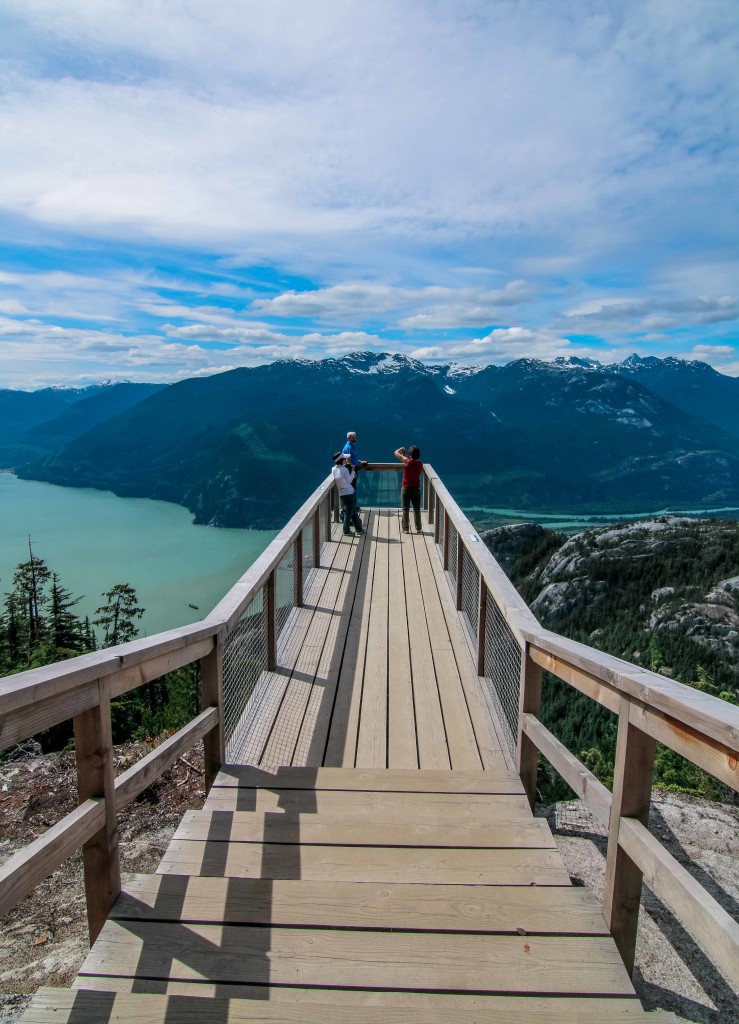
(671, 972)
(44, 940)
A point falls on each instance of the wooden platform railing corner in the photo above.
(236, 647)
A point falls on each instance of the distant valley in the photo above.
(245, 447)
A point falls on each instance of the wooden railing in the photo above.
(650, 709)
(511, 650)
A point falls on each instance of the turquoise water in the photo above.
(94, 539)
(573, 521)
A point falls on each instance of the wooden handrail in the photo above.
(37, 684)
(230, 608)
(513, 607)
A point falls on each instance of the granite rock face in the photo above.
(667, 575)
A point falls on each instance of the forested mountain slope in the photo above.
(244, 448)
(662, 593)
(34, 423)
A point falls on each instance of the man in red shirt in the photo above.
(410, 489)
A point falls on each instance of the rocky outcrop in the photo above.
(559, 599)
(509, 543)
(655, 574)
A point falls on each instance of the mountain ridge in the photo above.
(240, 448)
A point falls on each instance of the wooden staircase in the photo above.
(337, 895)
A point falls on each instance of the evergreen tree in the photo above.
(66, 634)
(25, 611)
(118, 615)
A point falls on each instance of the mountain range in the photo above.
(245, 447)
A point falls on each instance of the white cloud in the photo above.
(186, 122)
(724, 358)
(502, 345)
(449, 307)
(649, 312)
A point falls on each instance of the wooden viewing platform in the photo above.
(367, 849)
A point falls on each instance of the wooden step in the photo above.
(64, 1006)
(513, 910)
(310, 830)
(386, 780)
(373, 805)
(358, 863)
(338, 959)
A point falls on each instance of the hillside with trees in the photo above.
(39, 626)
(662, 593)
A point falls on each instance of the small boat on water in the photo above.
(193, 606)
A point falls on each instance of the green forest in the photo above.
(39, 625)
(617, 574)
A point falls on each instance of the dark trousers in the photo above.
(351, 516)
(411, 496)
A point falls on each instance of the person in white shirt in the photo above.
(343, 476)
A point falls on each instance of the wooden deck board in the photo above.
(287, 1005)
(425, 961)
(391, 806)
(372, 734)
(455, 866)
(402, 744)
(445, 620)
(311, 745)
(246, 827)
(417, 906)
(341, 748)
(388, 780)
(281, 746)
(463, 749)
(433, 749)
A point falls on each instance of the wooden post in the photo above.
(425, 505)
(211, 695)
(335, 504)
(482, 613)
(446, 541)
(432, 501)
(270, 597)
(437, 523)
(460, 570)
(632, 791)
(529, 701)
(299, 570)
(317, 537)
(93, 744)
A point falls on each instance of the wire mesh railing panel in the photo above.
(285, 595)
(502, 670)
(452, 550)
(379, 490)
(245, 658)
(324, 525)
(308, 559)
(470, 592)
(441, 519)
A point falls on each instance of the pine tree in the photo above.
(118, 615)
(66, 633)
(26, 607)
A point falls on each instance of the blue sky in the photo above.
(189, 187)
